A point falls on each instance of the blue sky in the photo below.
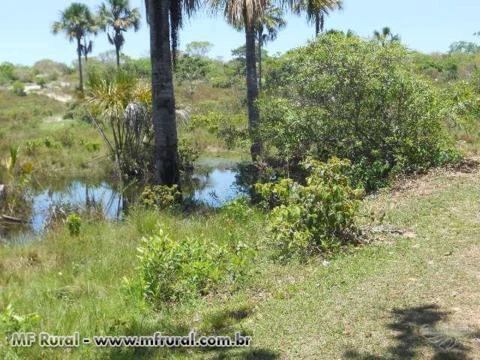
(426, 25)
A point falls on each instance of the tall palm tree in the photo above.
(165, 19)
(77, 22)
(386, 36)
(317, 10)
(267, 28)
(117, 16)
(245, 14)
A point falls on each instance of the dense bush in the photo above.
(312, 218)
(463, 113)
(74, 224)
(160, 197)
(347, 97)
(6, 73)
(187, 155)
(18, 88)
(51, 68)
(174, 270)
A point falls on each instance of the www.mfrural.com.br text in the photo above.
(47, 340)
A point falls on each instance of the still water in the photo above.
(214, 184)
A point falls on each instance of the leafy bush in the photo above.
(160, 197)
(41, 81)
(274, 194)
(6, 72)
(18, 88)
(233, 136)
(177, 270)
(462, 112)
(74, 224)
(49, 68)
(316, 217)
(210, 121)
(23, 74)
(187, 154)
(347, 97)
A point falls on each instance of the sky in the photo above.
(425, 25)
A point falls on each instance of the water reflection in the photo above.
(216, 188)
(77, 195)
(214, 183)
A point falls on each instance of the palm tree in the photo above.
(267, 27)
(386, 36)
(87, 48)
(317, 10)
(77, 22)
(117, 16)
(245, 14)
(165, 19)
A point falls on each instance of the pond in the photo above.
(214, 183)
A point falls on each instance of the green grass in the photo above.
(56, 149)
(377, 301)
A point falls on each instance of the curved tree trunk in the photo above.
(252, 92)
(80, 69)
(166, 171)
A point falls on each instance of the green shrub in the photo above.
(238, 209)
(160, 197)
(67, 138)
(210, 121)
(92, 146)
(41, 81)
(18, 88)
(74, 224)
(274, 194)
(177, 270)
(187, 154)
(233, 136)
(11, 322)
(7, 72)
(51, 143)
(347, 97)
(462, 112)
(316, 217)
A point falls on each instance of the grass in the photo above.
(401, 297)
(59, 149)
(412, 293)
(56, 149)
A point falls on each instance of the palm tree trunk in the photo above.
(322, 21)
(166, 170)
(317, 24)
(85, 46)
(117, 52)
(252, 92)
(80, 69)
(260, 63)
